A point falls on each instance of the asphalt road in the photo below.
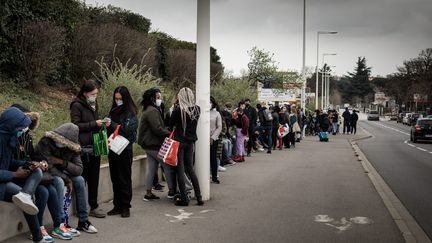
(406, 167)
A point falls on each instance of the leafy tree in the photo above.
(262, 66)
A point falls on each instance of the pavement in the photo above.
(316, 192)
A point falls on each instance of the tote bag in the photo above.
(117, 143)
(100, 142)
(168, 151)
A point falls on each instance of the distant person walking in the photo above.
(353, 122)
(347, 118)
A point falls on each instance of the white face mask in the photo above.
(158, 102)
(91, 99)
(93, 107)
(119, 102)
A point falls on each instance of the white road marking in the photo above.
(343, 224)
(182, 216)
(419, 148)
(422, 149)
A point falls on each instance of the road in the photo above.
(405, 166)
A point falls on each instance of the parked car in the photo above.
(430, 116)
(406, 118)
(413, 118)
(422, 130)
(373, 115)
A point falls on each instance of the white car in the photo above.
(406, 118)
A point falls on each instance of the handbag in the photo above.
(282, 131)
(100, 142)
(117, 143)
(168, 151)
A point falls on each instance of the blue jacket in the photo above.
(11, 121)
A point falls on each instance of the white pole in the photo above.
(202, 152)
(316, 71)
(303, 93)
(322, 87)
(328, 89)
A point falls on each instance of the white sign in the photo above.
(277, 95)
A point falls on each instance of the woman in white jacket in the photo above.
(215, 130)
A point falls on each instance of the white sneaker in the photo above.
(25, 203)
(260, 149)
(221, 169)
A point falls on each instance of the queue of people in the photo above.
(64, 163)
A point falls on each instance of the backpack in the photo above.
(268, 115)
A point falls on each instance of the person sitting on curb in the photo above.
(62, 151)
(13, 124)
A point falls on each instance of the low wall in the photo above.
(13, 222)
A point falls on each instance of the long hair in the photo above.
(149, 97)
(128, 102)
(214, 103)
(88, 86)
(186, 100)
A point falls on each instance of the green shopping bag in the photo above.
(100, 142)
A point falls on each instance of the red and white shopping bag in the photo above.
(117, 143)
(168, 151)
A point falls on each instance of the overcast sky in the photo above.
(386, 32)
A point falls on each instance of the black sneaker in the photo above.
(150, 197)
(182, 203)
(114, 211)
(125, 213)
(158, 188)
(87, 227)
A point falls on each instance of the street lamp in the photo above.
(317, 62)
(322, 80)
(327, 80)
(303, 92)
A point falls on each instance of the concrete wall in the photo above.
(12, 219)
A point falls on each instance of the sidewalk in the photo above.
(317, 192)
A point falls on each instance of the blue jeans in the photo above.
(268, 130)
(29, 187)
(80, 196)
(47, 195)
(335, 127)
(227, 149)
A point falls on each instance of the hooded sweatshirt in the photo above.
(12, 120)
(67, 136)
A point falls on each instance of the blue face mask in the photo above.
(91, 99)
(60, 145)
(21, 132)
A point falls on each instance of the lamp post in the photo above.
(317, 63)
(323, 81)
(303, 92)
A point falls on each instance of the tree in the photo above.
(262, 67)
(356, 85)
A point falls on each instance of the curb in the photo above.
(411, 231)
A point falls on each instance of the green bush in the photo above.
(233, 91)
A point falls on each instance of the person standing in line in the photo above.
(252, 115)
(346, 117)
(184, 119)
(335, 122)
(84, 114)
(215, 131)
(266, 122)
(241, 122)
(151, 135)
(124, 114)
(353, 122)
(275, 126)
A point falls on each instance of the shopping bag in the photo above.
(282, 131)
(168, 151)
(100, 142)
(117, 143)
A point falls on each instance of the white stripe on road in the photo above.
(422, 149)
(392, 128)
(419, 148)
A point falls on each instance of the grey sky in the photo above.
(386, 32)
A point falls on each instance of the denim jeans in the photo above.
(268, 130)
(29, 187)
(80, 196)
(47, 195)
(152, 166)
(335, 127)
(227, 149)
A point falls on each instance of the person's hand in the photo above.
(69, 186)
(56, 161)
(211, 141)
(21, 173)
(43, 165)
(107, 121)
(99, 122)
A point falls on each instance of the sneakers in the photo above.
(150, 197)
(269, 151)
(125, 213)
(72, 231)
(221, 169)
(97, 213)
(172, 194)
(25, 203)
(114, 211)
(61, 233)
(87, 227)
(158, 188)
(182, 203)
(230, 162)
(46, 238)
